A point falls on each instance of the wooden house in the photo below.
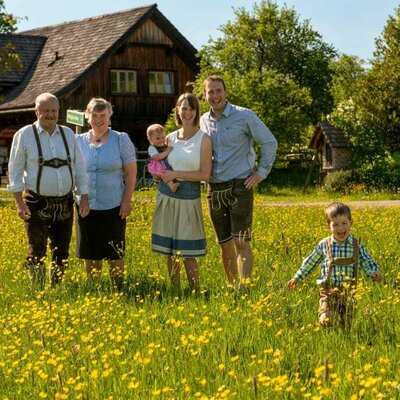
(333, 147)
(136, 59)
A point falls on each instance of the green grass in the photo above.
(80, 341)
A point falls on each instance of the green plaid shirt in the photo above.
(339, 274)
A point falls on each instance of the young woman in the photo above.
(178, 227)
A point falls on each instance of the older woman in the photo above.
(178, 228)
(111, 165)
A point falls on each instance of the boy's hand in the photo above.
(377, 276)
(292, 284)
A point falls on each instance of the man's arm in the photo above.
(22, 209)
(16, 168)
(263, 136)
(17, 164)
(268, 144)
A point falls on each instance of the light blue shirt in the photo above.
(105, 166)
(233, 135)
(54, 182)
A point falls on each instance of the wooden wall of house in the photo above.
(341, 158)
(147, 49)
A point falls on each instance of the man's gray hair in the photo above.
(45, 97)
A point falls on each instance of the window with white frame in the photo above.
(123, 81)
(161, 82)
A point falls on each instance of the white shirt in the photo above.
(185, 155)
(23, 165)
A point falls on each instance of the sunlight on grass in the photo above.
(82, 341)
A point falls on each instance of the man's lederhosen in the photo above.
(51, 217)
(338, 299)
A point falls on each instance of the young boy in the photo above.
(340, 256)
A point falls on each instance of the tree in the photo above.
(347, 70)
(9, 59)
(275, 64)
(381, 94)
(370, 117)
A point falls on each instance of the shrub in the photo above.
(339, 181)
(383, 173)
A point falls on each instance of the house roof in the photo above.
(72, 50)
(27, 47)
(334, 136)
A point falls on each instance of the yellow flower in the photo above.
(367, 367)
(79, 387)
(134, 384)
(106, 373)
(94, 374)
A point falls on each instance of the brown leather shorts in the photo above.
(230, 206)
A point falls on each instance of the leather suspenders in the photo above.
(54, 162)
(342, 261)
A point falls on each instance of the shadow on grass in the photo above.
(138, 288)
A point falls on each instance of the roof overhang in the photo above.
(17, 111)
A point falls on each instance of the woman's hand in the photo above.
(125, 209)
(168, 176)
(84, 206)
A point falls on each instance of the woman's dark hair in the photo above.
(193, 103)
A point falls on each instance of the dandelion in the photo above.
(94, 374)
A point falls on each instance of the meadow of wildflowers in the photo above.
(81, 341)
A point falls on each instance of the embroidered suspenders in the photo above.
(54, 162)
(342, 261)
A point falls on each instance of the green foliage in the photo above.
(339, 182)
(381, 96)
(368, 108)
(170, 125)
(9, 59)
(346, 72)
(274, 64)
(383, 172)
(7, 21)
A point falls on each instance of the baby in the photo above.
(158, 153)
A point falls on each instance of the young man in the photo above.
(45, 167)
(340, 257)
(233, 130)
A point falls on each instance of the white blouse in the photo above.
(185, 155)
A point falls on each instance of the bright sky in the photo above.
(351, 26)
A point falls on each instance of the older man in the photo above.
(45, 168)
